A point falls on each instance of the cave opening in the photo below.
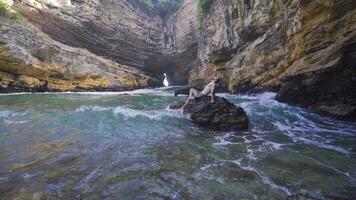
(165, 81)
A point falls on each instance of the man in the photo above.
(208, 89)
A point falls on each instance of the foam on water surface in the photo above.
(114, 144)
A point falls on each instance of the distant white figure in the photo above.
(165, 82)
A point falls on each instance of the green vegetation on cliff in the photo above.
(204, 6)
(6, 12)
(163, 8)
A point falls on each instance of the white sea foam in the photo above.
(156, 91)
(87, 178)
(266, 96)
(347, 174)
(222, 140)
(5, 113)
(129, 113)
(17, 93)
(93, 108)
(15, 122)
(233, 96)
(264, 178)
(308, 136)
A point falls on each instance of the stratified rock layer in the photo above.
(123, 32)
(304, 47)
(27, 54)
(221, 115)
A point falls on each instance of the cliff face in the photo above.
(26, 51)
(304, 49)
(114, 29)
(119, 41)
(181, 35)
(53, 45)
(122, 31)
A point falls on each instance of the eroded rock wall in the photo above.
(114, 29)
(112, 37)
(122, 31)
(181, 34)
(295, 45)
(26, 53)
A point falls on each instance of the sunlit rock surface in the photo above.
(30, 53)
(122, 31)
(255, 45)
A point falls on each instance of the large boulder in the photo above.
(221, 115)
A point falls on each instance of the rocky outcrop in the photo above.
(118, 30)
(122, 31)
(120, 41)
(221, 115)
(27, 52)
(330, 90)
(181, 35)
(303, 47)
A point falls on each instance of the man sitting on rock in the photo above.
(208, 89)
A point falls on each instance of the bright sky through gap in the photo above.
(165, 81)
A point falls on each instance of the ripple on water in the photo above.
(130, 145)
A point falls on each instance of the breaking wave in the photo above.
(129, 113)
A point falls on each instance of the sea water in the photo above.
(129, 145)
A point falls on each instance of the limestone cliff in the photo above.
(122, 31)
(305, 49)
(28, 51)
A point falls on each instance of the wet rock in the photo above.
(221, 115)
(328, 90)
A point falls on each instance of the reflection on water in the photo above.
(128, 145)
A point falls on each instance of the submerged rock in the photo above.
(221, 115)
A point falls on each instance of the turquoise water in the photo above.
(128, 145)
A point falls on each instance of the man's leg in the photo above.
(192, 93)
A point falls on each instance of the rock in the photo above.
(256, 45)
(122, 31)
(221, 115)
(27, 81)
(25, 51)
(329, 90)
